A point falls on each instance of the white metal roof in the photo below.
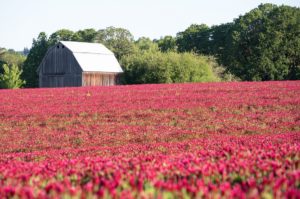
(93, 57)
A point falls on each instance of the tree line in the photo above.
(261, 45)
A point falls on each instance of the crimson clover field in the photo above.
(206, 140)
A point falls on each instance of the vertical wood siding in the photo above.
(59, 69)
(98, 79)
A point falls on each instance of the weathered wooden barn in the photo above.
(70, 64)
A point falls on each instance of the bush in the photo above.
(170, 67)
(11, 77)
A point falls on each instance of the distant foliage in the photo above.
(25, 51)
(34, 58)
(150, 66)
(2, 51)
(167, 43)
(86, 35)
(10, 57)
(62, 35)
(263, 44)
(220, 71)
(195, 38)
(118, 40)
(11, 77)
(145, 44)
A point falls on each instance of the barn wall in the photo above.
(98, 79)
(60, 80)
(60, 69)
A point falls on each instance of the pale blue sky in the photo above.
(21, 20)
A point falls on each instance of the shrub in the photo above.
(170, 67)
(11, 77)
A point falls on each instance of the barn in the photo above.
(71, 64)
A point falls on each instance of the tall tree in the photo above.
(118, 40)
(86, 35)
(146, 44)
(167, 43)
(34, 58)
(11, 77)
(265, 44)
(195, 38)
(61, 35)
(219, 39)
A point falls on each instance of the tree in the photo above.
(11, 77)
(34, 58)
(12, 57)
(264, 44)
(61, 35)
(219, 36)
(195, 38)
(86, 35)
(2, 51)
(25, 51)
(167, 43)
(118, 40)
(145, 44)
